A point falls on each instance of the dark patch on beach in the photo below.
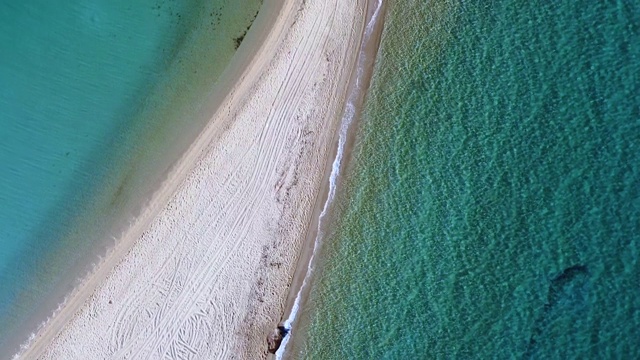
(274, 340)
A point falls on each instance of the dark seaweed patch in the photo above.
(564, 285)
(237, 41)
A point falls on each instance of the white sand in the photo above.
(209, 277)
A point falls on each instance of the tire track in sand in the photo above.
(176, 293)
(288, 98)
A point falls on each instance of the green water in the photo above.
(97, 98)
(492, 205)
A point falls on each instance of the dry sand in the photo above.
(209, 276)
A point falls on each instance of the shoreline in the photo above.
(124, 232)
(116, 180)
(357, 90)
(250, 75)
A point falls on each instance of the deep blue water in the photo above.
(492, 206)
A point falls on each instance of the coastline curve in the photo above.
(357, 89)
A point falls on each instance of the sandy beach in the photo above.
(205, 269)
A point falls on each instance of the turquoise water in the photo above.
(93, 94)
(492, 206)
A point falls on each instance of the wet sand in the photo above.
(342, 153)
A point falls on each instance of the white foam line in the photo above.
(347, 119)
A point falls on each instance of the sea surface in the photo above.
(96, 98)
(491, 207)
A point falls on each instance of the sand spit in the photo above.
(209, 276)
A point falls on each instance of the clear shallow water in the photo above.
(93, 98)
(491, 208)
